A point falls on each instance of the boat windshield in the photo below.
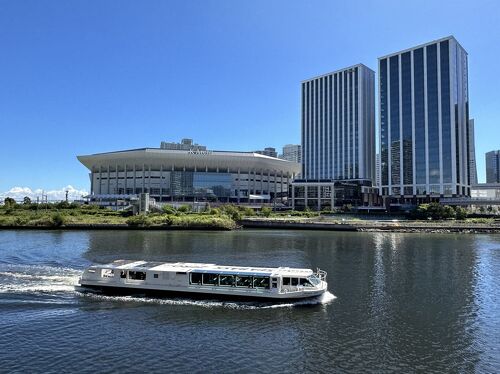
(314, 280)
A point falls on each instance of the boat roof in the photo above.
(204, 268)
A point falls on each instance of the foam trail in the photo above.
(249, 305)
(37, 279)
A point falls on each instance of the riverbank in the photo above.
(358, 225)
(280, 224)
(229, 217)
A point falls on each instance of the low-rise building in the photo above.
(189, 175)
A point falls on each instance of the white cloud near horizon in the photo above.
(18, 193)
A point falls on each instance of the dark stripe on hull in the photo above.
(120, 291)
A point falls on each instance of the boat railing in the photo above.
(321, 274)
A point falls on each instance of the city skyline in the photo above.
(75, 87)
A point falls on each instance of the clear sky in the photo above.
(81, 77)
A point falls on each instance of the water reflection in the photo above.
(405, 302)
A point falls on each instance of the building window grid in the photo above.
(384, 156)
(433, 114)
(394, 121)
(445, 112)
(407, 164)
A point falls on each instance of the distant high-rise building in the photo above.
(338, 140)
(292, 152)
(184, 145)
(268, 151)
(493, 167)
(472, 154)
(424, 122)
(338, 125)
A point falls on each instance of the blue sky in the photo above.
(81, 77)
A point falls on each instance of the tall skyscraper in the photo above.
(424, 122)
(493, 167)
(338, 140)
(472, 154)
(338, 125)
(292, 152)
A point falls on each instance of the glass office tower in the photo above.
(424, 122)
(338, 125)
(493, 167)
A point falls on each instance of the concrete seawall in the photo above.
(368, 226)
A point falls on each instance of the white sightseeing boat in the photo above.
(204, 280)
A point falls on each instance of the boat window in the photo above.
(314, 280)
(155, 275)
(243, 281)
(195, 278)
(180, 272)
(286, 281)
(107, 273)
(211, 279)
(123, 274)
(261, 282)
(305, 283)
(226, 280)
(295, 281)
(137, 275)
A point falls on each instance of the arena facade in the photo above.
(189, 175)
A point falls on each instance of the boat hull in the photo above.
(194, 294)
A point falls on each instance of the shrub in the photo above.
(232, 211)
(140, 220)
(435, 211)
(184, 208)
(248, 212)
(215, 212)
(204, 221)
(58, 219)
(21, 221)
(168, 209)
(346, 208)
(266, 211)
(63, 205)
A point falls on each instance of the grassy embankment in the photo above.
(226, 217)
(72, 215)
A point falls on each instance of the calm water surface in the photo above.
(403, 302)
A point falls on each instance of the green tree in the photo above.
(26, 200)
(460, 213)
(9, 202)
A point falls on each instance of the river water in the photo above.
(397, 303)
